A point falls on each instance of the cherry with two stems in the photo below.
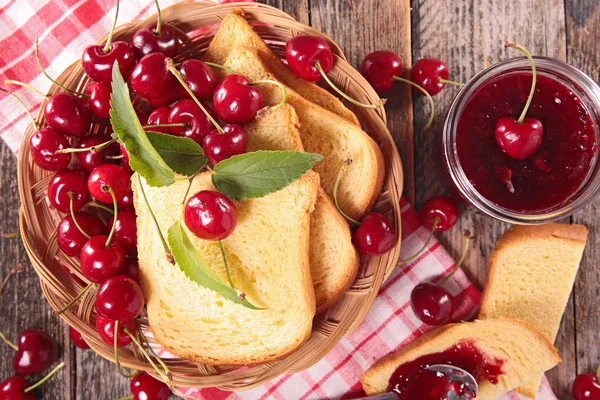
(158, 38)
(18, 388)
(587, 386)
(97, 61)
(77, 339)
(36, 351)
(144, 387)
(522, 137)
(68, 190)
(75, 230)
(439, 212)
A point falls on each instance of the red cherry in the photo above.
(159, 116)
(150, 78)
(120, 298)
(98, 65)
(426, 73)
(108, 176)
(125, 230)
(146, 41)
(99, 262)
(379, 68)
(519, 140)
(586, 387)
(235, 102)
(145, 387)
(217, 147)
(14, 387)
(106, 329)
(99, 99)
(78, 339)
(44, 144)
(431, 303)
(197, 124)
(88, 160)
(70, 239)
(132, 269)
(199, 77)
(210, 215)
(70, 182)
(303, 52)
(37, 351)
(375, 235)
(441, 207)
(125, 159)
(176, 93)
(126, 202)
(68, 114)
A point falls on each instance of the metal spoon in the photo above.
(453, 373)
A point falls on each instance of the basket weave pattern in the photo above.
(198, 23)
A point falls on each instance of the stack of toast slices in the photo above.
(291, 252)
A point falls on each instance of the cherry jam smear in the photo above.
(413, 381)
(553, 174)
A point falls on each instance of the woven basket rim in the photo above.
(38, 231)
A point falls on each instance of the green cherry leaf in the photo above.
(196, 269)
(181, 154)
(256, 174)
(143, 158)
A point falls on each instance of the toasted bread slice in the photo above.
(268, 259)
(525, 353)
(530, 277)
(235, 31)
(325, 133)
(333, 259)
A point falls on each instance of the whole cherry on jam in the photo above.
(44, 145)
(13, 388)
(150, 77)
(587, 386)
(379, 68)
(78, 339)
(67, 113)
(106, 330)
(159, 116)
(159, 38)
(303, 52)
(431, 303)
(67, 184)
(197, 124)
(144, 387)
(235, 101)
(210, 215)
(99, 99)
(125, 230)
(107, 178)
(430, 74)
(89, 160)
(101, 258)
(442, 208)
(36, 352)
(120, 298)
(199, 77)
(69, 237)
(375, 235)
(220, 146)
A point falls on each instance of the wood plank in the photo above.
(299, 9)
(583, 50)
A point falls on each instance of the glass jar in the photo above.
(578, 84)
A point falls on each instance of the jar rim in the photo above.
(569, 75)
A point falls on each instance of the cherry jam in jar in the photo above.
(561, 177)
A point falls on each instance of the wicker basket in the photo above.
(38, 222)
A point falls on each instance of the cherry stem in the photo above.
(150, 349)
(119, 157)
(158, 18)
(13, 82)
(92, 149)
(533, 79)
(71, 194)
(430, 120)
(145, 353)
(598, 374)
(226, 266)
(436, 221)
(455, 83)
(8, 342)
(115, 213)
(35, 126)
(171, 67)
(13, 271)
(44, 379)
(344, 95)
(460, 262)
(335, 189)
(168, 253)
(75, 300)
(283, 92)
(219, 66)
(126, 398)
(162, 126)
(39, 63)
(116, 350)
(102, 206)
(112, 31)
(10, 235)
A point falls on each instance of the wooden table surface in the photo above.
(460, 32)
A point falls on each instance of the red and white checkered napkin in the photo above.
(65, 28)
